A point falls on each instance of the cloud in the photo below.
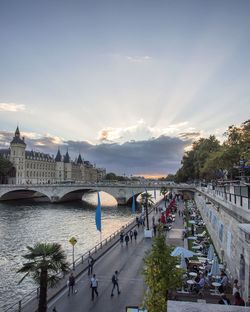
(159, 156)
(190, 135)
(11, 107)
(141, 131)
(139, 59)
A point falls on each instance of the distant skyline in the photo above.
(128, 84)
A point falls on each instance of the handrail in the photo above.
(17, 307)
(20, 304)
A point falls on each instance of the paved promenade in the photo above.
(128, 261)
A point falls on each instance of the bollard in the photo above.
(82, 259)
(95, 249)
(37, 292)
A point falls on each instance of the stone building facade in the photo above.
(40, 168)
(226, 212)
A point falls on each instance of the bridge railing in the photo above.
(34, 294)
(100, 183)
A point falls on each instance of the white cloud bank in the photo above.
(141, 131)
(11, 107)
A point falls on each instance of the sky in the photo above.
(128, 84)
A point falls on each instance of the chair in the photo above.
(202, 235)
(201, 292)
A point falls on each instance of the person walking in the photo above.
(137, 222)
(135, 234)
(131, 234)
(90, 264)
(71, 283)
(115, 284)
(126, 239)
(155, 229)
(93, 285)
(121, 238)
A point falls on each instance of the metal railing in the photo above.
(18, 306)
(34, 294)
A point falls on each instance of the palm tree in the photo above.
(164, 191)
(45, 261)
(146, 198)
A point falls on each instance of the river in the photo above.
(24, 223)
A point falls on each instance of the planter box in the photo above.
(148, 233)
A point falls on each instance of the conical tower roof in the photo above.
(58, 156)
(17, 132)
(16, 138)
(66, 158)
(79, 159)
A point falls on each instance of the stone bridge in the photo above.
(123, 193)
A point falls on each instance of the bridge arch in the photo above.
(22, 193)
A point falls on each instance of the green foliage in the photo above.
(5, 166)
(147, 198)
(45, 261)
(163, 190)
(110, 176)
(113, 177)
(161, 274)
(208, 159)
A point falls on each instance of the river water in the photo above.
(24, 223)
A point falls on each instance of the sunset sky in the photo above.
(128, 84)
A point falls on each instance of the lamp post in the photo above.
(145, 203)
(242, 169)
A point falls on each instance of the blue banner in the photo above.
(98, 215)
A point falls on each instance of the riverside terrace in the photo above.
(128, 261)
(122, 192)
(130, 277)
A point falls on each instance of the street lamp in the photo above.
(145, 204)
(242, 169)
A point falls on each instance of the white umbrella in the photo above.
(210, 253)
(192, 238)
(183, 264)
(180, 250)
(215, 270)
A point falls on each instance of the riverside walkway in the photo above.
(127, 260)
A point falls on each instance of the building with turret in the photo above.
(40, 168)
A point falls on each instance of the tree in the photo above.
(5, 169)
(45, 261)
(163, 192)
(147, 198)
(160, 273)
(111, 176)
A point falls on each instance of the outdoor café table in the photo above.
(190, 283)
(197, 247)
(216, 285)
(193, 274)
